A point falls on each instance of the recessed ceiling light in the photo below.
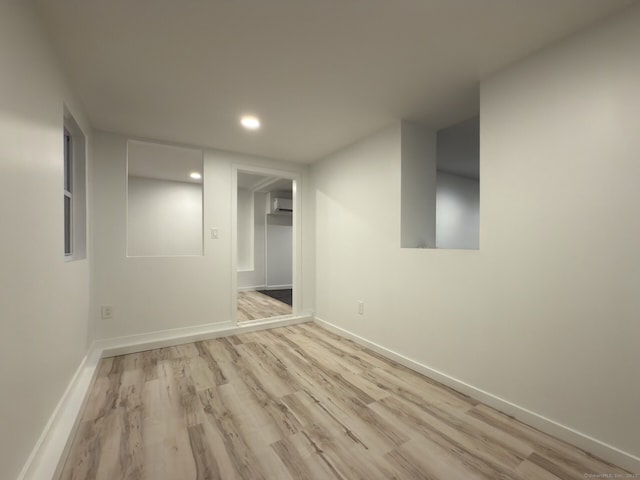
(250, 122)
(195, 175)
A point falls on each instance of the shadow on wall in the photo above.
(458, 186)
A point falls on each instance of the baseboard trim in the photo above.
(277, 287)
(252, 289)
(585, 442)
(169, 338)
(43, 461)
(264, 287)
(45, 458)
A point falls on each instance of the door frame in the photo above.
(296, 241)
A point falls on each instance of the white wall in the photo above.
(550, 314)
(246, 219)
(151, 294)
(457, 212)
(254, 278)
(418, 177)
(279, 251)
(44, 300)
(164, 217)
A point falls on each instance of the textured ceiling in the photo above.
(319, 73)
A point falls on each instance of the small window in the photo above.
(164, 200)
(74, 190)
(440, 186)
(68, 195)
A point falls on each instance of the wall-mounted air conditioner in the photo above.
(281, 205)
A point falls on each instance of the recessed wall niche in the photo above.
(164, 200)
(440, 171)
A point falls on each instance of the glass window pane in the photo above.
(67, 161)
(67, 225)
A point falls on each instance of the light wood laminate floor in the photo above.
(255, 305)
(298, 403)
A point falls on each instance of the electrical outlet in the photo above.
(360, 307)
(107, 312)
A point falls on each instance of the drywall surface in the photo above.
(457, 211)
(279, 251)
(418, 177)
(44, 300)
(245, 229)
(164, 218)
(546, 314)
(254, 278)
(159, 293)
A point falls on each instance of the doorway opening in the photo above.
(265, 245)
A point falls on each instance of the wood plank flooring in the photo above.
(255, 305)
(298, 403)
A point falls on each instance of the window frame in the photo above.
(74, 159)
(68, 193)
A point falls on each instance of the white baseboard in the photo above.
(252, 289)
(51, 447)
(276, 287)
(263, 287)
(169, 338)
(585, 442)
